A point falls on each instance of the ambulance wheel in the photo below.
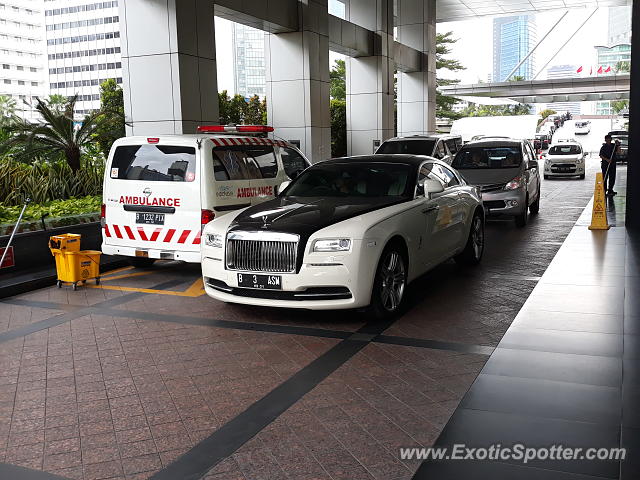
(141, 262)
(59, 284)
(75, 285)
(97, 280)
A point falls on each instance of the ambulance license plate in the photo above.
(268, 282)
(150, 218)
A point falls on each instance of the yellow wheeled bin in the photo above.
(74, 266)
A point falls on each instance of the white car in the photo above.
(565, 160)
(582, 127)
(347, 233)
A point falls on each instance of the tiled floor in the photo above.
(108, 384)
(566, 371)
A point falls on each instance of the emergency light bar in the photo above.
(235, 129)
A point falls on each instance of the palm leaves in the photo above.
(56, 136)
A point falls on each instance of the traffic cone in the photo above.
(599, 212)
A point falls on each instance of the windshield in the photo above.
(409, 147)
(156, 163)
(487, 157)
(565, 150)
(353, 180)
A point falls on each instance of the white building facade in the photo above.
(83, 48)
(564, 71)
(22, 62)
(249, 73)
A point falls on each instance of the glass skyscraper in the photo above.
(513, 39)
(248, 66)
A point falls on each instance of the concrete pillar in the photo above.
(416, 24)
(169, 65)
(297, 81)
(370, 79)
(633, 170)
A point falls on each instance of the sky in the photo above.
(474, 46)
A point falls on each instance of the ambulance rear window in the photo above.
(244, 162)
(154, 163)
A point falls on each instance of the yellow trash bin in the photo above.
(72, 264)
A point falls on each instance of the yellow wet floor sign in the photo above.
(599, 213)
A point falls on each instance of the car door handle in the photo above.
(431, 209)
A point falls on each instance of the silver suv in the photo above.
(506, 172)
(440, 146)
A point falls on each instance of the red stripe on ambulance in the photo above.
(183, 237)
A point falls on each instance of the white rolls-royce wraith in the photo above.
(346, 233)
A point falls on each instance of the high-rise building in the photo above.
(22, 75)
(83, 48)
(513, 38)
(564, 71)
(619, 25)
(248, 67)
(618, 49)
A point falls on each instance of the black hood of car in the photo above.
(304, 216)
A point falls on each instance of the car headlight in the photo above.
(514, 184)
(579, 161)
(332, 245)
(213, 240)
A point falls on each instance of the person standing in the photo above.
(608, 164)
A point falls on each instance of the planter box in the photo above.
(31, 249)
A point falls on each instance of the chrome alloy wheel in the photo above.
(393, 281)
(477, 237)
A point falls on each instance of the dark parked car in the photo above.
(541, 142)
(621, 136)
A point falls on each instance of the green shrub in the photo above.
(44, 182)
(54, 209)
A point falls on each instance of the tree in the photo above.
(111, 121)
(238, 111)
(619, 106)
(517, 78)
(444, 103)
(545, 113)
(253, 111)
(338, 78)
(338, 110)
(623, 66)
(7, 108)
(56, 134)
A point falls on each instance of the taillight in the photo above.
(103, 215)
(206, 216)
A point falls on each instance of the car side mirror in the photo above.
(533, 164)
(432, 186)
(282, 186)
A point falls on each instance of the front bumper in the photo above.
(316, 287)
(504, 202)
(564, 169)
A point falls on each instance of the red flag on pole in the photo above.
(600, 69)
(608, 69)
(579, 69)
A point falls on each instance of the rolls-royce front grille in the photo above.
(261, 254)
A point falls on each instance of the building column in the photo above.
(416, 23)
(369, 80)
(297, 81)
(168, 65)
(632, 219)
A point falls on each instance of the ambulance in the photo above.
(159, 192)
